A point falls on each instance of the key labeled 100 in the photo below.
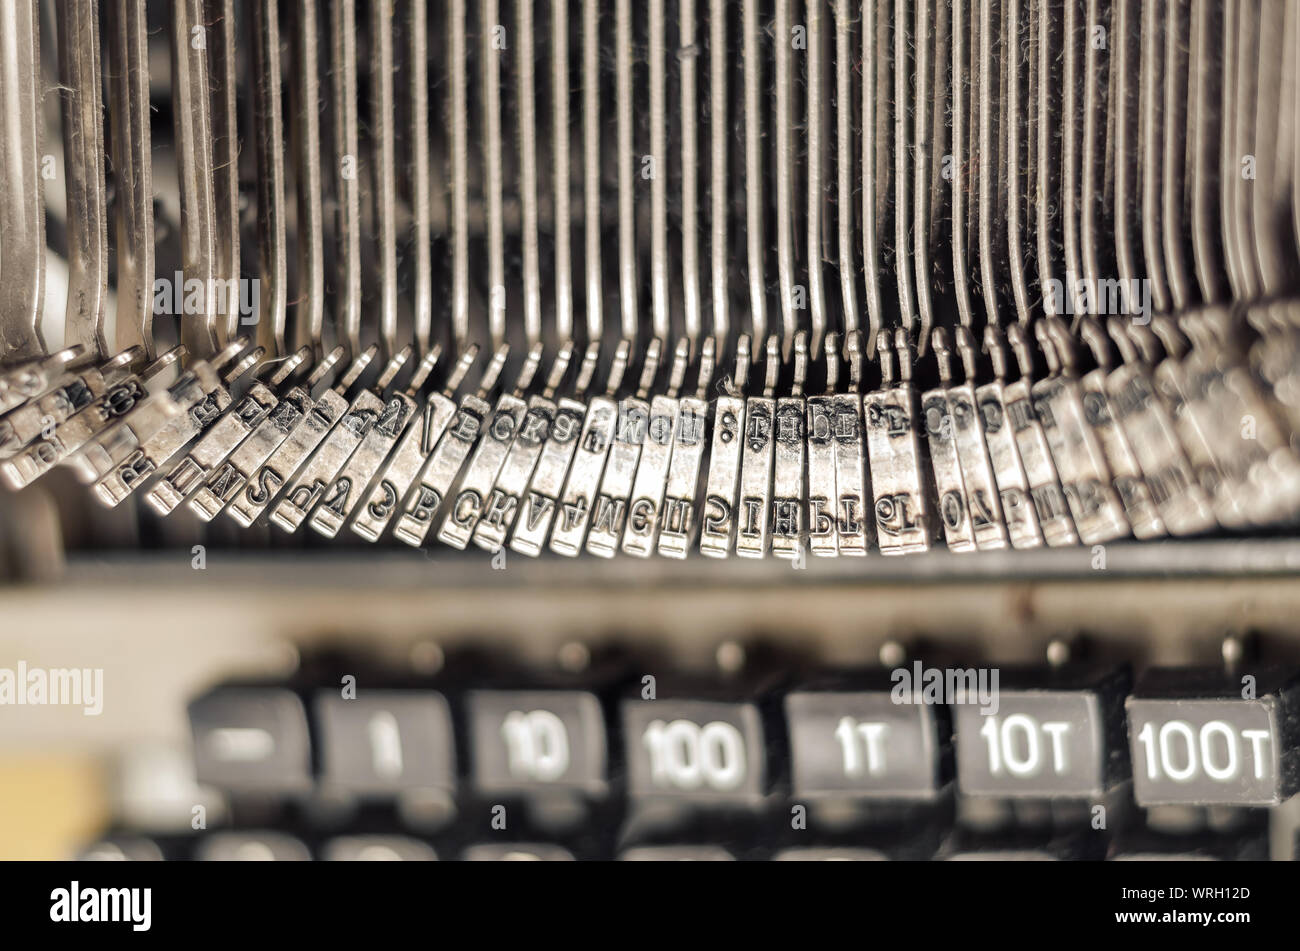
(1179, 751)
(1198, 740)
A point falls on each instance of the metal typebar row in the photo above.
(1020, 154)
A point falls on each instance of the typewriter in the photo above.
(691, 430)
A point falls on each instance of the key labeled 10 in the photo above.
(524, 740)
(537, 745)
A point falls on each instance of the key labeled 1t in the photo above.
(848, 743)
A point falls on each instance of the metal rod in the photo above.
(923, 45)
(527, 141)
(784, 174)
(268, 120)
(343, 46)
(459, 58)
(133, 175)
(192, 115)
(627, 162)
(902, 151)
(83, 154)
(754, 190)
(384, 169)
(560, 172)
(844, 164)
(223, 73)
(307, 145)
(1203, 161)
(659, 177)
(719, 135)
(22, 197)
(690, 171)
(591, 138)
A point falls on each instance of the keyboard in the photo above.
(700, 430)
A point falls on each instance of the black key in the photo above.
(517, 852)
(856, 742)
(377, 848)
(701, 751)
(251, 740)
(386, 741)
(1003, 855)
(830, 854)
(251, 847)
(525, 741)
(1206, 737)
(1054, 733)
(123, 849)
(676, 853)
(1238, 845)
(1024, 845)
